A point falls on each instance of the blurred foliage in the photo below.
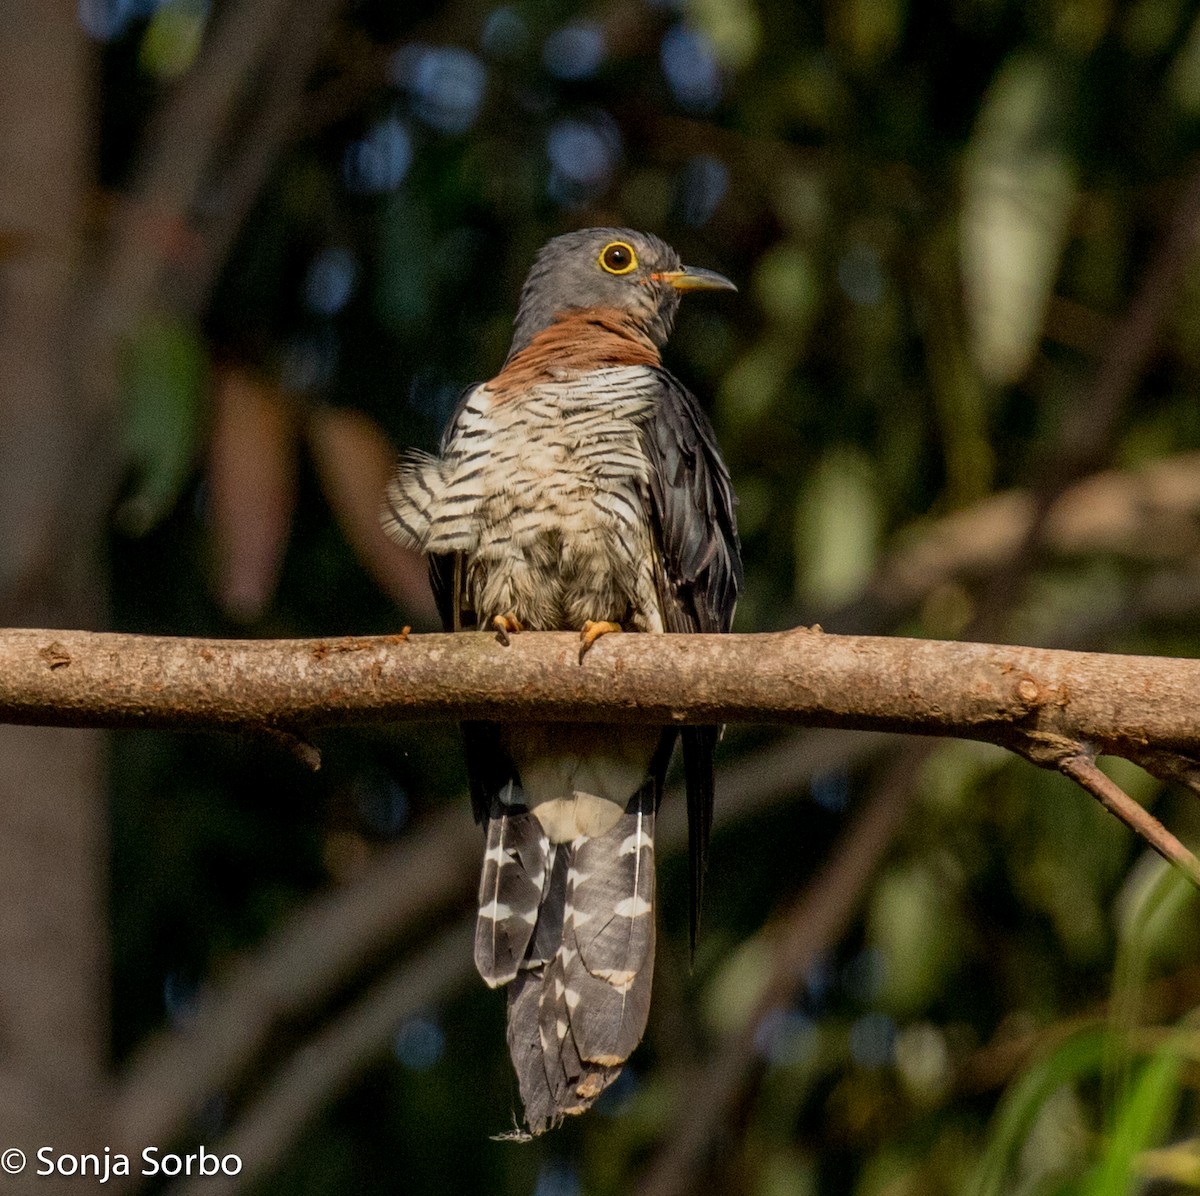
(937, 214)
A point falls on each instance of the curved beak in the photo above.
(692, 278)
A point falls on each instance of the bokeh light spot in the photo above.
(505, 34)
(873, 1040)
(107, 19)
(860, 275)
(330, 280)
(419, 1043)
(378, 162)
(787, 1038)
(446, 83)
(583, 155)
(309, 361)
(819, 981)
(558, 1178)
(831, 790)
(702, 185)
(381, 802)
(575, 51)
(179, 997)
(863, 976)
(691, 68)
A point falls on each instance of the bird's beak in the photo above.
(692, 278)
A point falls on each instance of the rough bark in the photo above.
(1015, 696)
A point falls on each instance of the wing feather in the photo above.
(699, 572)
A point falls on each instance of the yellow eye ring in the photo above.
(618, 257)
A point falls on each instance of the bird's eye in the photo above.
(617, 257)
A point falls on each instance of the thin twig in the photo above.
(1178, 767)
(176, 155)
(1083, 771)
(276, 122)
(1091, 425)
(1148, 513)
(296, 746)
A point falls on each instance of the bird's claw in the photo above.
(592, 631)
(506, 625)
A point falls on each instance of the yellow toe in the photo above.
(592, 631)
(506, 625)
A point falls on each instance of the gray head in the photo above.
(617, 268)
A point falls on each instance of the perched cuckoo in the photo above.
(581, 489)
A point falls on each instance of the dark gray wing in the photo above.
(699, 568)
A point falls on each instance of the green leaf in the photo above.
(1079, 1056)
(1141, 1120)
(1019, 192)
(165, 375)
(838, 527)
(172, 39)
(1152, 917)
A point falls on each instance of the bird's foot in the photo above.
(591, 632)
(506, 625)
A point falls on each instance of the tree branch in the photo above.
(1082, 769)
(1040, 702)
(1054, 708)
(1148, 513)
(1091, 422)
(269, 128)
(53, 926)
(176, 155)
(1085, 436)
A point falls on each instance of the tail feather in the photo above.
(527, 1048)
(699, 744)
(610, 895)
(560, 1055)
(517, 864)
(609, 922)
(579, 1001)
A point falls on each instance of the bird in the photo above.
(580, 489)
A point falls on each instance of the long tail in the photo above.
(570, 927)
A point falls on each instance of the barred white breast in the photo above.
(546, 496)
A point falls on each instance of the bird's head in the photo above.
(615, 268)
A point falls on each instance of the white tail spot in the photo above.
(631, 907)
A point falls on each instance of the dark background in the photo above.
(250, 249)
